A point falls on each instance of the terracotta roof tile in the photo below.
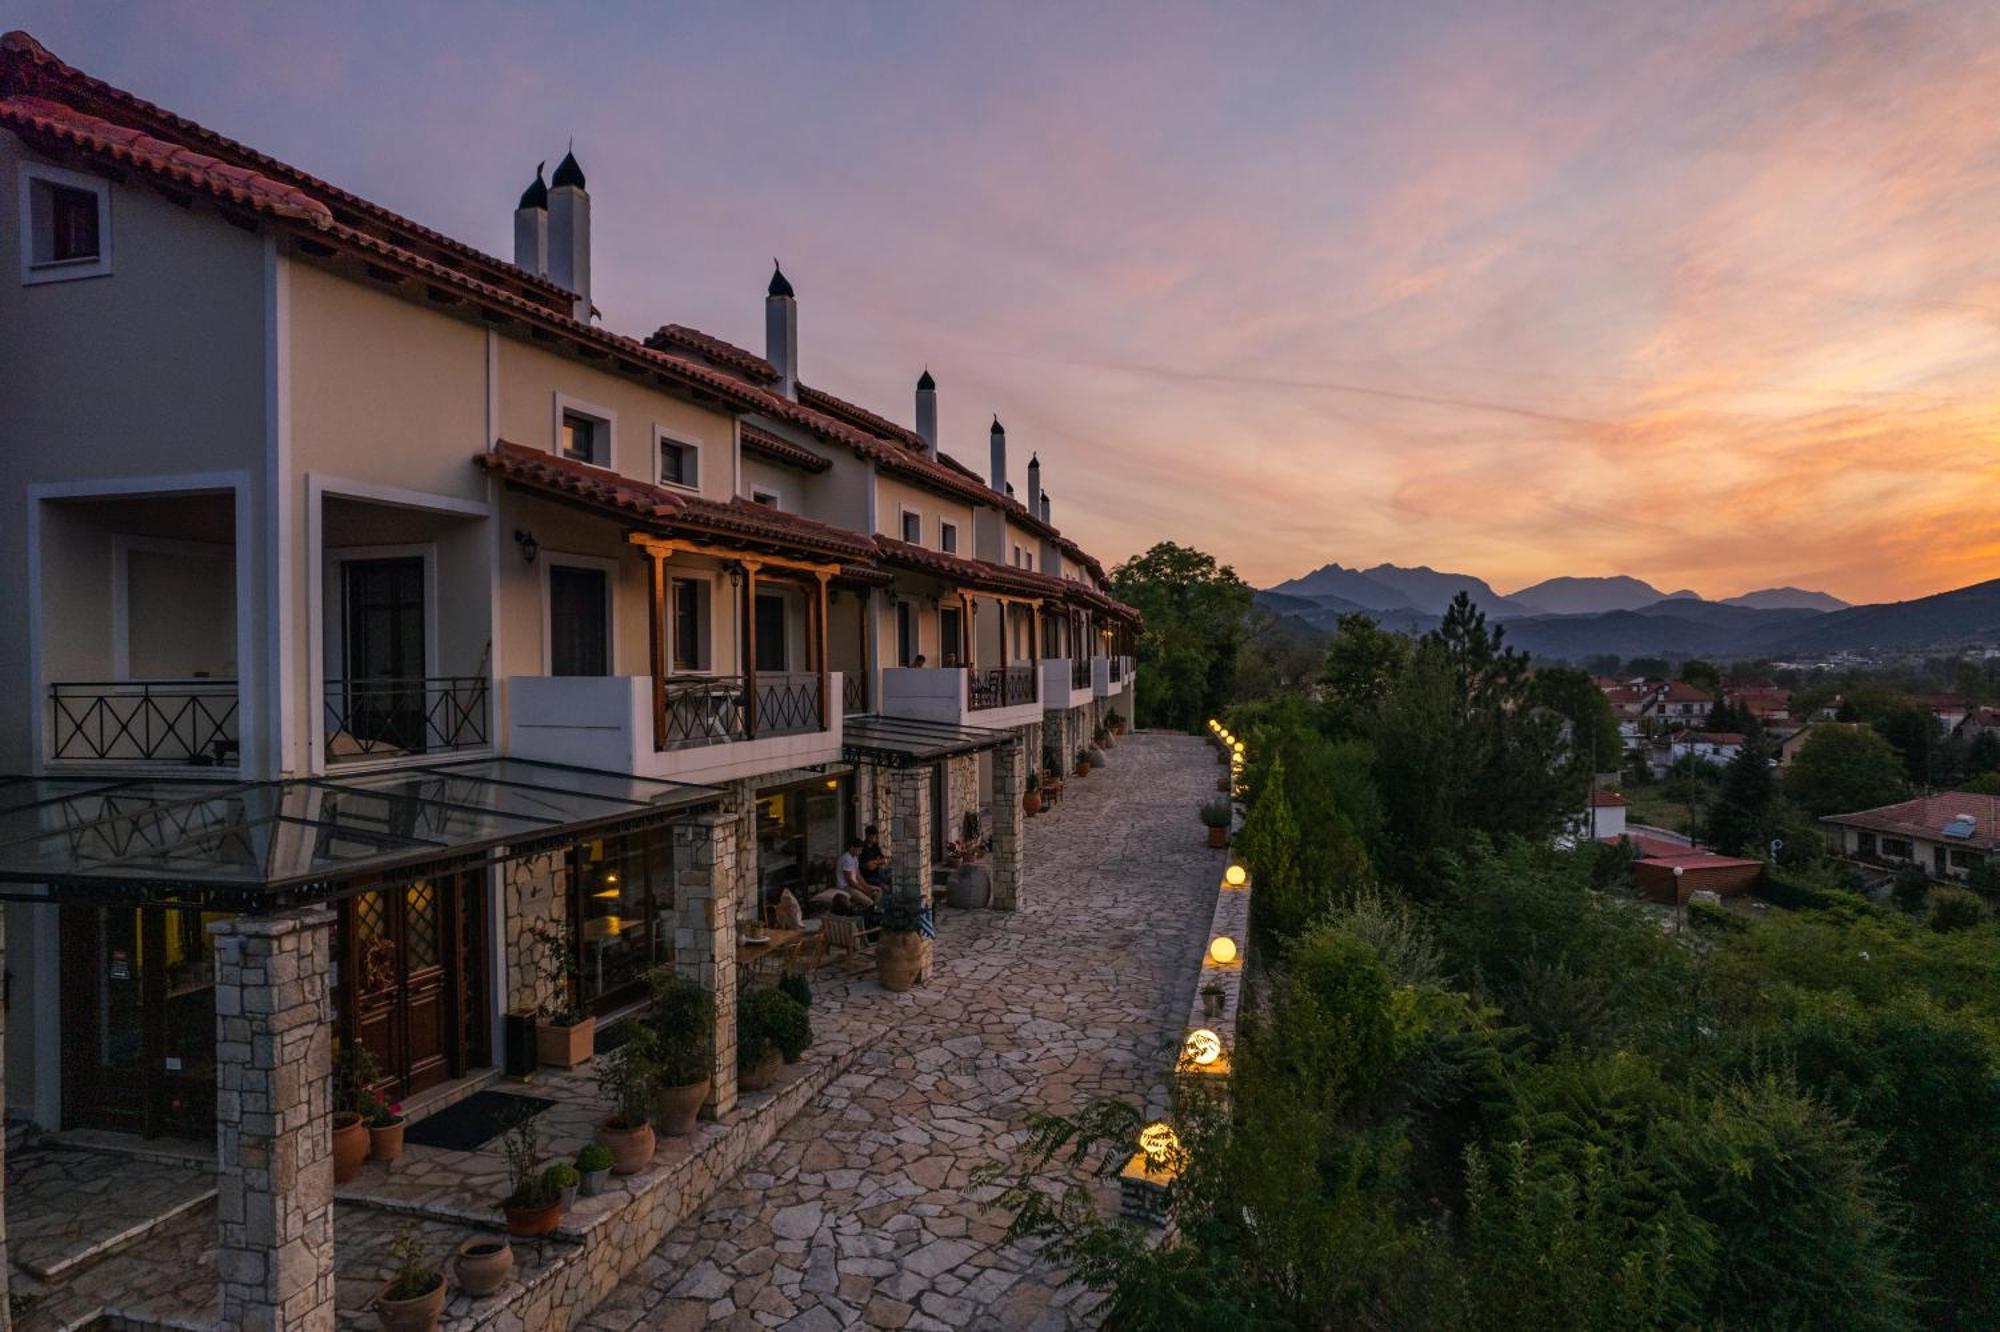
(1926, 817)
(981, 574)
(822, 401)
(768, 445)
(715, 349)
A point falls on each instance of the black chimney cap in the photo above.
(997, 429)
(924, 381)
(779, 285)
(567, 172)
(1035, 461)
(537, 194)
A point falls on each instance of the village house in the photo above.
(1946, 835)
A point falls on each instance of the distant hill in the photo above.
(1349, 585)
(1393, 587)
(1787, 598)
(1676, 627)
(1962, 617)
(1588, 596)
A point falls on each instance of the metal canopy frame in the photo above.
(903, 742)
(259, 846)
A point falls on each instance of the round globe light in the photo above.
(1222, 950)
(1202, 1047)
(1236, 876)
(1159, 1142)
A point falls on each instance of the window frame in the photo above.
(566, 405)
(62, 270)
(904, 513)
(689, 446)
(701, 588)
(777, 498)
(947, 537)
(609, 568)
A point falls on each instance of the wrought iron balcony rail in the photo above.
(1118, 668)
(145, 721)
(1079, 672)
(1000, 687)
(393, 716)
(710, 709)
(854, 693)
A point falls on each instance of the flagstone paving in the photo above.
(861, 1212)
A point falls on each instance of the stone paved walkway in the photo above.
(859, 1213)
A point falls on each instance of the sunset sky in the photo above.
(1709, 295)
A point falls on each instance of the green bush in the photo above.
(796, 985)
(1955, 909)
(775, 1017)
(682, 1017)
(594, 1156)
(1217, 813)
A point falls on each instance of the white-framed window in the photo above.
(767, 497)
(65, 224)
(676, 460)
(913, 527)
(948, 538)
(585, 432)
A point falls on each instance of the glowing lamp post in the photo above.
(1202, 1050)
(1236, 877)
(1222, 950)
(1142, 1184)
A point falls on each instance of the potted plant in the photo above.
(797, 986)
(354, 1071)
(593, 1165)
(899, 951)
(1216, 816)
(757, 1060)
(563, 1180)
(628, 1077)
(1031, 798)
(1083, 763)
(1116, 721)
(1101, 737)
(682, 1019)
(412, 1299)
(483, 1265)
(782, 1018)
(532, 1208)
(385, 1127)
(1097, 759)
(565, 1030)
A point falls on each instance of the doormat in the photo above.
(474, 1121)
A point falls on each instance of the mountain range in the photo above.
(1572, 618)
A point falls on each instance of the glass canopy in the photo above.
(265, 844)
(898, 742)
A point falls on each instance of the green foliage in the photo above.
(1217, 813)
(1363, 662)
(797, 986)
(1196, 613)
(594, 1156)
(774, 1016)
(682, 1018)
(1739, 820)
(1840, 769)
(1575, 697)
(562, 1175)
(414, 1273)
(630, 1074)
(902, 913)
(1955, 909)
(1911, 888)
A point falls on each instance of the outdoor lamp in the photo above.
(526, 541)
(1236, 745)
(1159, 1142)
(1236, 876)
(1222, 950)
(1202, 1047)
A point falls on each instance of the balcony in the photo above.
(1065, 683)
(189, 722)
(996, 697)
(1110, 675)
(1000, 687)
(607, 722)
(392, 718)
(854, 693)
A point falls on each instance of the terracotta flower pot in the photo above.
(899, 959)
(565, 1047)
(760, 1075)
(676, 1108)
(417, 1314)
(1031, 803)
(533, 1222)
(631, 1148)
(385, 1142)
(1218, 838)
(483, 1265)
(350, 1145)
(1083, 767)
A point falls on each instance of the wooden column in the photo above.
(967, 637)
(1035, 650)
(750, 649)
(866, 599)
(818, 609)
(662, 660)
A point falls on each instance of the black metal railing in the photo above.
(1118, 668)
(710, 709)
(394, 716)
(854, 693)
(1079, 672)
(145, 721)
(1000, 687)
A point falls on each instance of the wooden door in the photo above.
(406, 981)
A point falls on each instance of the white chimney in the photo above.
(927, 412)
(531, 227)
(781, 331)
(1045, 508)
(1034, 485)
(569, 233)
(998, 436)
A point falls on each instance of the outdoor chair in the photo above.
(847, 933)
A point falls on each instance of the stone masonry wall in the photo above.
(273, 1122)
(1010, 774)
(705, 909)
(909, 829)
(536, 889)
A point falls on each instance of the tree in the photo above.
(1196, 613)
(1363, 662)
(1702, 675)
(1841, 769)
(1575, 697)
(1737, 821)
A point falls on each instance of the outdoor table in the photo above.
(749, 956)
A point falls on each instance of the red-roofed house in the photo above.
(1948, 835)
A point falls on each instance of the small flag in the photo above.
(927, 926)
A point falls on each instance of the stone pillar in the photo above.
(749, 873)
(1010, 778)
(537, 891)
(705, 904)
(910, 829)
(273, 1121)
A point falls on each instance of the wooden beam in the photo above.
(750, 651)
(647, 541)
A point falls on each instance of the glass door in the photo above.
(384, 619)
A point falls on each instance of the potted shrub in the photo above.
(1216, 816)
(782, 1018)
(628, 1077)
(533, 1209)
(1031, 798)
(682, 1019)
(562, 1179)
(385, 1127)
(353, 1074)
(797, 986)
(593, 1166)
(757, 1060)
(1083, 763)
(899, 951)
(1116, 721)
(1101, 737)
(483, 1265)
(565, 1030)
(412, 1299)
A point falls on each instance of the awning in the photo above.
(262, 846)
(901, 742)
